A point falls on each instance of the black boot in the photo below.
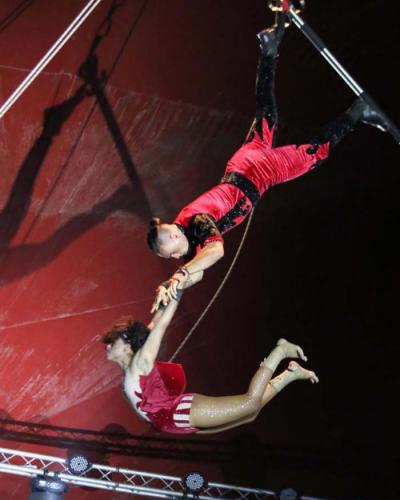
(265, 93)
(361, 111)
(333, 132)
(270, 38)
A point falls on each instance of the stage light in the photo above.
(47, 488)
(194, 482)
(78, 464)
(288, 494)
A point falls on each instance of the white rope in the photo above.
(92, 4)
(218, 289)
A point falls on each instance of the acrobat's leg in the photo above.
(288, 162)
(337, 129)
(266, 107)
(278, 383)
(207, 411)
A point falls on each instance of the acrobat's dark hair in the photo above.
(152, 235)
(132, 332)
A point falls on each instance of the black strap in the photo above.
(244, 184)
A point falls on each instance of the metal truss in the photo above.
(199, 450)
(119, 479)
(119, 443)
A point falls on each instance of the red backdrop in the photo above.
(135, 123)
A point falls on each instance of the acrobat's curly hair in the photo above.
(132, 332)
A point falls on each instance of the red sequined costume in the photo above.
(258, 164)
(162, 399)
(254, 168)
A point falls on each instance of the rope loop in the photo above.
(189, 334)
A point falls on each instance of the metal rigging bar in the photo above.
(292, 11)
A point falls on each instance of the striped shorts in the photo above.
(182, 411)
(174, 418)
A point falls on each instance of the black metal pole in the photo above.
(316, 41)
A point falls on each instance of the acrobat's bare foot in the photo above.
(291, 350)
(301, 373)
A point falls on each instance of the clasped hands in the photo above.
(170, 289)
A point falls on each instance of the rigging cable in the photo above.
(50, 54)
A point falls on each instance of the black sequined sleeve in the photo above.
(203, 230)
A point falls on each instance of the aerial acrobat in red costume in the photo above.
(156, 390)
(196, 232)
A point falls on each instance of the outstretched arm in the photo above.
(188, 275)
(205, 258)
(156, 317)
(148, 353)
(204, 230)
(162, 298)
(194, 278)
